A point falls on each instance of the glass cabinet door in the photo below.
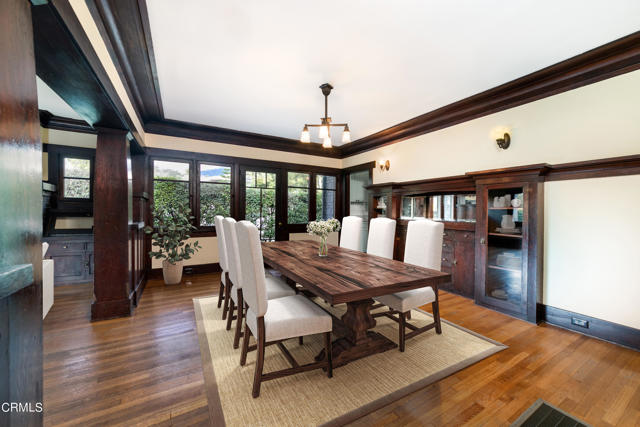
(505, 249)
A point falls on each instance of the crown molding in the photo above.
(612, 59)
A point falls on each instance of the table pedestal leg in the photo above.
(358, 340)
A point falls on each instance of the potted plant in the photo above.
(173, 225)
(322, 229)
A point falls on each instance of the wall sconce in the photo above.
(505, 141)
(384, 165)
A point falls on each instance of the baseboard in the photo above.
(214, 267)
(597, 328)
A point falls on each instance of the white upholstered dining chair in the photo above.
(222, 257)
(423, 248)
(275, 320)
(382, 234)
(351, 232)
(275, 288)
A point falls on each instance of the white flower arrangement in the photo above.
(323, 228)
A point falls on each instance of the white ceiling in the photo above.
(256, 65)
(51, 101)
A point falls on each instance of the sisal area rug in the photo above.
(311, 398)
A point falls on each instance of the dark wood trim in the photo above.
(214, 267)
(50, 121)
(598, 328)
(236, 137)
(610, 60)
(614, 166)
(361, 167)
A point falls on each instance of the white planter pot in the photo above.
(172, 273)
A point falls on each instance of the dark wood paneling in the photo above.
(48, 120)
(612, 59)
(602, 329)
(236, 137)
(614, 166)
(112, 286)
(20, 215)
(213, 267)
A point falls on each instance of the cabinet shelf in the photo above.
(513, 236)
(504, 208)
(513, 270)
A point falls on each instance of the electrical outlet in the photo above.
(580, 322)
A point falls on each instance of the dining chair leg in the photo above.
(236, 338)
(245, 344)
(401, 329)
(232, 307)
(227, 297)
(257, 377)
(436, 315)
(327, 350)
(220, 294)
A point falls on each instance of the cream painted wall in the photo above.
(70, 223)
(207, 255)
(593, 122)
(199, 146)
(45, 166)
(72, 139)
(591, 251)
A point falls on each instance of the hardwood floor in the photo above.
(146, 370)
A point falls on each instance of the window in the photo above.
(325, 197)
(413, 207)
(215, 193)
(77, 178)
(298, 197)
(170, 183)
(260, 203)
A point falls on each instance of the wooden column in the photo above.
(111, 282)
(20, 218)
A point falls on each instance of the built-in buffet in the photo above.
(492, 232)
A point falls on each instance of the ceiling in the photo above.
(50, 101)
(256, 66)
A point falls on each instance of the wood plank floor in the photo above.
(146, 370)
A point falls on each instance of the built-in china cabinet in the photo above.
(492, 238)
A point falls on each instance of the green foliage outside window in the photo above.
(260, 203)
(77, 182)
(298, 197)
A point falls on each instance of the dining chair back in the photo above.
(222, 260)
(254, 288)
(381, 237)
(233, 256)
(351, 232)
(423, 246)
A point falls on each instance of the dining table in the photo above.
(351, 277)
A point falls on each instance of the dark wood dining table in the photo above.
(351, 277)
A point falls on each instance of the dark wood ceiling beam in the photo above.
(615, 58)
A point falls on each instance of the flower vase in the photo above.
(324, 249)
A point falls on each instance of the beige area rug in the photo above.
(311, 398)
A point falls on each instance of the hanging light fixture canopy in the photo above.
(324, 131)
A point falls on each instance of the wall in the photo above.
(207, 255)
(591, 247)
(593, 122)
(208, 147)
(591, 226)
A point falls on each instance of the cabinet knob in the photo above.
(65, 247)
(482, 241)
(455, 261)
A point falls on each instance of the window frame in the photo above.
(334, 190)
(62, 176)
(196, 198)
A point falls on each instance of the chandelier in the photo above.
(325, 124)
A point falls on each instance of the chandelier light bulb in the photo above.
(324, 132)
(346, 134)
(305, 136)
(326, 142)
